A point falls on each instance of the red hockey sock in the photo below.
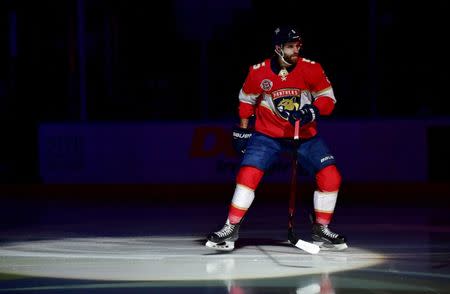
(247, 180)
(242, 199)
(235, 214)
(328, 182)
(324, 203)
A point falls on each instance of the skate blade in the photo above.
(225, 246)
(326, 246)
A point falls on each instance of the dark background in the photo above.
(99, 60)
(147, 61)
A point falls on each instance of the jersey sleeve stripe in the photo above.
(328, 92)
(247, 98)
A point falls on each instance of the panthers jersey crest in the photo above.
(286, 101)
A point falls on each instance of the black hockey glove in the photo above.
(308, 113)
(240, 139)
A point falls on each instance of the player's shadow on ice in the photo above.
(246, 242)
(259, 244)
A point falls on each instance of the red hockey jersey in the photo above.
(271, 97)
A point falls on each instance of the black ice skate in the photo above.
(323, 237)
(224, 239)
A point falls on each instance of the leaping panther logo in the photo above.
(286, 101)
(286, 105)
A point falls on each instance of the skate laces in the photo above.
(226, 230)
(328, 233)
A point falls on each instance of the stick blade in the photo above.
(311, 248)
(308, 247)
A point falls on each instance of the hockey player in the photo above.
(278, 92)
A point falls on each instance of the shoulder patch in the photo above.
(266, 85)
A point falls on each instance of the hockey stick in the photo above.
(297, 242)
(297, 131)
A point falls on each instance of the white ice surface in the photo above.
(169, 258)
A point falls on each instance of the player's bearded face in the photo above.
(290, 50)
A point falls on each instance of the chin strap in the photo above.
(281, 54)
